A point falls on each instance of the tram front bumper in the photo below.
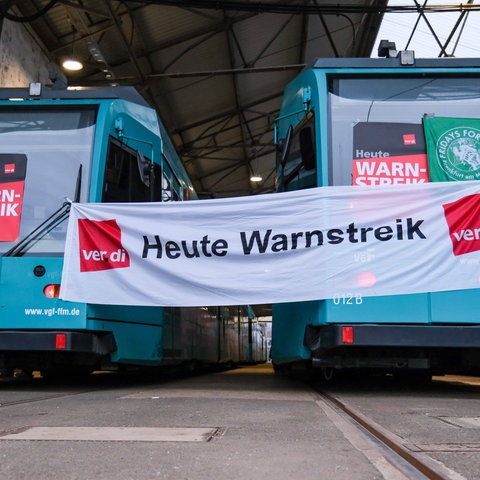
(49, 341)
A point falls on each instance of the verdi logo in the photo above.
(458, 153)
(463, 218)
(100, 244)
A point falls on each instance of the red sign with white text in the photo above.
(13, 169)
(100, 244)
(463, 218)
(389, 153)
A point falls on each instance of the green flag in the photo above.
(453, 148)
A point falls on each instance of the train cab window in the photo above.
(354, 102)
(56, 144)
(128, 177)
(296, 159)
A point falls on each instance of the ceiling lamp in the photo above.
(255, 177)
(72, 64)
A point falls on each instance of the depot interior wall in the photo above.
(22, 59)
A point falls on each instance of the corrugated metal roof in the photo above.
(215, 75)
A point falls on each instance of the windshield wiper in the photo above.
(35, 235)
(78, 186)
(55, 219)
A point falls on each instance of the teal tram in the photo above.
(92, 145)
(339, 122)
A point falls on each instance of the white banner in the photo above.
(304, 245)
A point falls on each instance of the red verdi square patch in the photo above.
(409, 139)
(100, 244)
(9, 168)
(463, 218)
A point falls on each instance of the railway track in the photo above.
(28, 396)
(387, 451)
(25, 390)
(27, 387)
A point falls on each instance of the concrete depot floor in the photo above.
(258, 426)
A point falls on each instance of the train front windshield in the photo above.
(45, 158)
(369, 106)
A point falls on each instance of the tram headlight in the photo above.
(52, 290)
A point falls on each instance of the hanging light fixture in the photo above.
(72, 63)
(255, 177)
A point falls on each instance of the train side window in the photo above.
(171, 189)
(297, 159)
(307, 147)
(156, 183)
(126, 179)
(167, 193)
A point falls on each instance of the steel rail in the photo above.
(383, 437)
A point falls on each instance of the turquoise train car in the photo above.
(59, 145)
(343, 110)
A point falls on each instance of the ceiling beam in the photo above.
(289, 8)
